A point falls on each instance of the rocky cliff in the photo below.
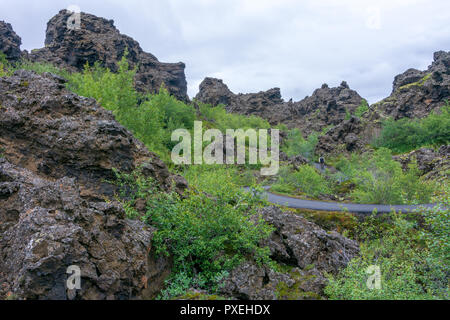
(325, 107)
(98, 39)
(415, 95)
(58, 151)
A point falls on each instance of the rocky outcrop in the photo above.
(265, 104)
(416, 93)
(97, 39)
(9, 42)
(345, 137)
(46, 226)
(304, 249)
(55, 134)
(327, 106)
(432, 165)
(58, 152)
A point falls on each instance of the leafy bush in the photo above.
(305, 180)
(206, 236)
(413, 260)
(41, 67)
(220, 119)
(380, 180)
(408, 134)
(363, 108)
(297, 145)
(151, 118)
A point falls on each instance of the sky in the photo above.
(255, 45)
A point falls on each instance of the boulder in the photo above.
(46, 227)
(432, 165)
(345, 137)
(302, 247)
(55, 134)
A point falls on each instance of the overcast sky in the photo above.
(255, 45)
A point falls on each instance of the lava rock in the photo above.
(98, 39)
(9, 42)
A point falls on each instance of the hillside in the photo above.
(87, 179)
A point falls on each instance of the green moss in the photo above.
(338, 221)
(295, 292)
(417, 83)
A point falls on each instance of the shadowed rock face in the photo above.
(56, 134)
(9, 42)
(58, 150)
(327, 106)
(99, 40)
(46, 227)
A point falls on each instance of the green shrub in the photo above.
(363, 108)
(41, 67)
(151, 118)
(305, 180)
(220, 119)
(408, 134)
(295, 144)
(5, 67)
(206, 235)
(413, 260)
(380, 180)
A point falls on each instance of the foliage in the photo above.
(380, 180)
(206, 235)
(297, 145)
(151, 118)
(363, 108)
(205, 177)
(305, 180)
(413, 259)
(4, 65)
(41, 67)
(220, 119)
(408, 134)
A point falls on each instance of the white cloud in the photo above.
(254, 45)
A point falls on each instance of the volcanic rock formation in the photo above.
(9, 42)
(308, 251)
(97, 39)
(327, 106)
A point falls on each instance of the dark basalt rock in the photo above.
(46, 226)
(56, 134)
(9, 42)
(305, 248)
(99, 40)
(432, 165)
(327, 106)
(417, 93)
(345, 137)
